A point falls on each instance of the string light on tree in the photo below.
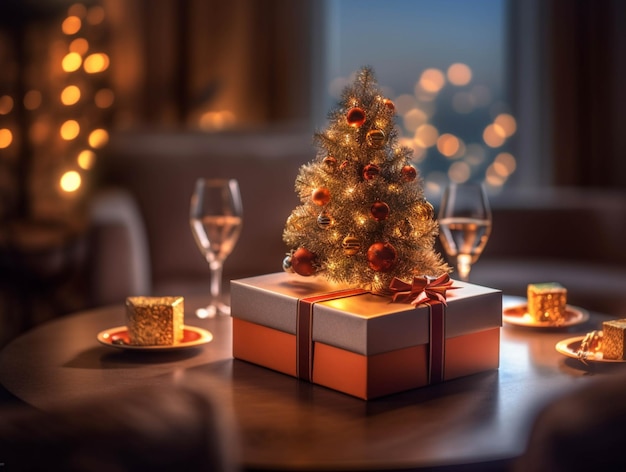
(363, 185)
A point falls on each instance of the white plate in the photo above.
(518, 315)
(118, 337)
(569, 347)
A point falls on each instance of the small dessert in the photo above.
(613, 340)
(591, 346)
(155, 321)
(547, 302)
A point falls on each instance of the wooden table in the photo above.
(473, 423)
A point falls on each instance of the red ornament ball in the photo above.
(320, 196)
(370, 171)
(355, 117)
(380, 211)
(389, 104)
(409, 173)
(381, 257)
(303, 262)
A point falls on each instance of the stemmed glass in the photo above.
(465, 224)
(216, 217)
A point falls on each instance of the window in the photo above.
(443, 64)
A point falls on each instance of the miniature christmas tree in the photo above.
(363, 219)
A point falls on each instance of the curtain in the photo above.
(175, 60)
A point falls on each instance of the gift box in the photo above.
(360, 343)
(155, 321)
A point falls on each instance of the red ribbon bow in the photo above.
(422, 289)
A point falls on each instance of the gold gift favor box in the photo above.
(547, 302)
(155, 321)
(359, 343)
(613, 339)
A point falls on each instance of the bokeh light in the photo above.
(70, 181)
(86, 159)
(448, 144)
(6, 104)
(426, 135)
(459, 74)
(70, 95)
(459, 172)
(494, 136)
(432, 80)
(70, 130)
(6, 138)
(95, 63)
(507, 123)
(71, 25)
(104, 98)
(79, 46)
(32, 100)
(71, 62)
(98, 138)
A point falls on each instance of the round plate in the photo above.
(518, 315)
(118, 338)
(569, 347)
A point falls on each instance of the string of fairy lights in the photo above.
(66, 99)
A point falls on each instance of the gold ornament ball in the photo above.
(320, 196)
(351, 245)
(375, 138)
(425, 211)
(381, 257)
(355, 117)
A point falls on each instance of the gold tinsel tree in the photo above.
(363, 219)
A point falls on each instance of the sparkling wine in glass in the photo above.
(216, 217)
(464, 224)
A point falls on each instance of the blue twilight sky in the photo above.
(401, 38)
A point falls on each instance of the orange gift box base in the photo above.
(366, 377)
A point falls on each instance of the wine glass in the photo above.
(465, 224)
(215, 217)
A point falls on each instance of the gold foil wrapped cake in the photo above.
(155, 321)
(613, 339)
(547, 302)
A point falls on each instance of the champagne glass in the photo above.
(215, 217)
(465, 224)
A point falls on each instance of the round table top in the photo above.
(285, 423)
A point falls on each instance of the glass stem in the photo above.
(216, 280)
(464, 265)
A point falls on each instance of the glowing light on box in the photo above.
(71, 62)
(98, 138)
(70, 95)
(71, 25)
(97, 62)
(507, 123)
(493, 135)
(459, 74)
(70, 181)
(86, 159)
(32, 100)
(104, 98)
(426, 135)
(432, 80)
(6, 104)
(79, 46)
(6, 138)
(459, 172)
(70, 130)
(448, 144)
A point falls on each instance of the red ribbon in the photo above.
(422, 290)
